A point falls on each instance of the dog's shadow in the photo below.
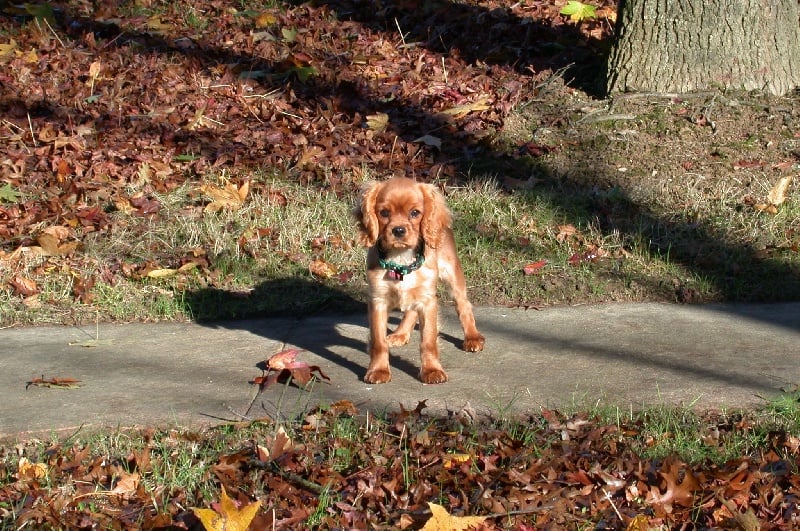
(307, 315)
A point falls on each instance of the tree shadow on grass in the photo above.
(482, 37)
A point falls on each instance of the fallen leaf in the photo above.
(534, 267)
(747, 520)
(229, 517)
(565, 231)
(54, 383)
(283, 365)
(279, 445)
(7, 49)
(778, 193)
(24, 286)
(378, 122)
(459, 111)
(162, 273)
(322, 269)
(592, 254)
(430, 140)
(453, 460)
(264, 20)
(441, 520)
(52, 246)
(26, 470)
(638, 523)
(91, 343)
(230, 196)
(578, 11)
(8, 194)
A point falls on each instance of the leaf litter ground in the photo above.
(105, 108)
(337, 469)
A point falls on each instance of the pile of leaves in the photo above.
(405, 471)
(105, 107)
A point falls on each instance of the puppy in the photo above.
(406, 226)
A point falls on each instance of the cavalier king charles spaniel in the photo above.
(406, 226)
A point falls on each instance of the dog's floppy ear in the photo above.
(364, 213)
(436, 215)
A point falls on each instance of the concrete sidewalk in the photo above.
(193, 374)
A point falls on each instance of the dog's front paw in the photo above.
(474, 343)
(433, 376)
(397, 340)
(378, 376)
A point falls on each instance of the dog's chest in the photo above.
(414, 290)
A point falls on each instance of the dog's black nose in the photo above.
(399, 232)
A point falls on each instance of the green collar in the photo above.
(397, 271)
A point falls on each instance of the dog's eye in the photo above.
(384, 213)
(414, 213)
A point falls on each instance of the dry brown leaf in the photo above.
(565, 231)
(7, 49)
(322, 269)
(54, 383)
(26, 470)
(459, 111)
(161, 273)
(778, 193)
(51, 245)
(279, 445)
(441, 520)
(378, 122)
(230, 196)
(24, 286)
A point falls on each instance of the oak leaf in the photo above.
(27, 470)
(459, 111)
(229, 517)
(283, 365)
(441, 520)
(230, 196)
(322, 269)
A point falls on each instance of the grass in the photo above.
(282, 227)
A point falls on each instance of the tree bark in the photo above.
(690, 45)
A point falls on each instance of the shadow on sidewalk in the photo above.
(309, 308)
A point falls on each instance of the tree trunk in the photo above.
(690, 45)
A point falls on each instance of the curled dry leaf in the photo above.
(776, 197)
(57, 383)
(534, 267)
(24, 286)
(283, 365)
(778, 193)
(378, 122)
(26, 470)
(279, 445)
(322, 269)
(230, 196)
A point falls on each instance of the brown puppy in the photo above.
(406, 226)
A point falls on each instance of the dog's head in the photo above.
(401, 214)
